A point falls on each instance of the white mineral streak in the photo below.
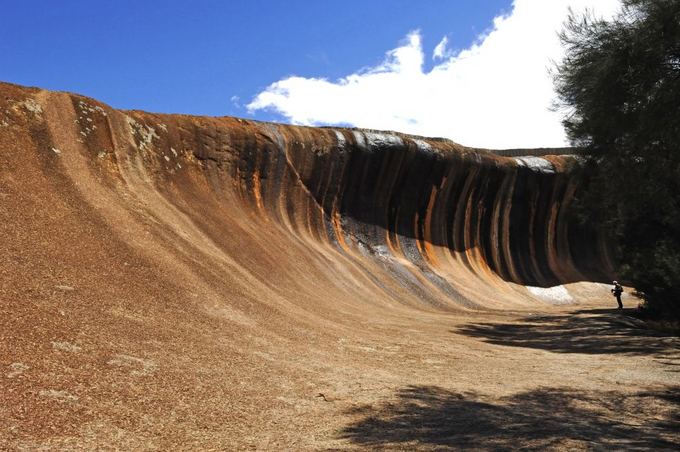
(65, 346)
(536, 163)
(360, 139)
(16, 369)
(424, 146)
(85, 107)
(555, 294)
(30, 105)
(341, 138)
(33, 106)
(375, 139)
(63, 396)
(146, 133)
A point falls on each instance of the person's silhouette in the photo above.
(617, 291)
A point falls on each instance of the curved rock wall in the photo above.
(404, 197)
(436, 216)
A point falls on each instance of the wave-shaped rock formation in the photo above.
(444, 221)
(125, 233)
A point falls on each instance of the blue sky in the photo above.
(194, 56)
(294, 60)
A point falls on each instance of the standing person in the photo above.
(617, 291)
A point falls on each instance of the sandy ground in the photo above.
(581, 377)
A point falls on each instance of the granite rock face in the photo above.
(435, 215)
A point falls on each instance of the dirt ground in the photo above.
(584, 377)
(146, 307)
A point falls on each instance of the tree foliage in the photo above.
(619, 85)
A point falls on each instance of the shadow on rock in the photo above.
(596, 331)
(427, 417)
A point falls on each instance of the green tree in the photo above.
(619, 85)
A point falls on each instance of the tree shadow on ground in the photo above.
(595, 331)
(427, 417)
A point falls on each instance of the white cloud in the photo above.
(495, 94)
(440, 51)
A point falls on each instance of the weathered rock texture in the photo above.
(156, 253)
(449, 211)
